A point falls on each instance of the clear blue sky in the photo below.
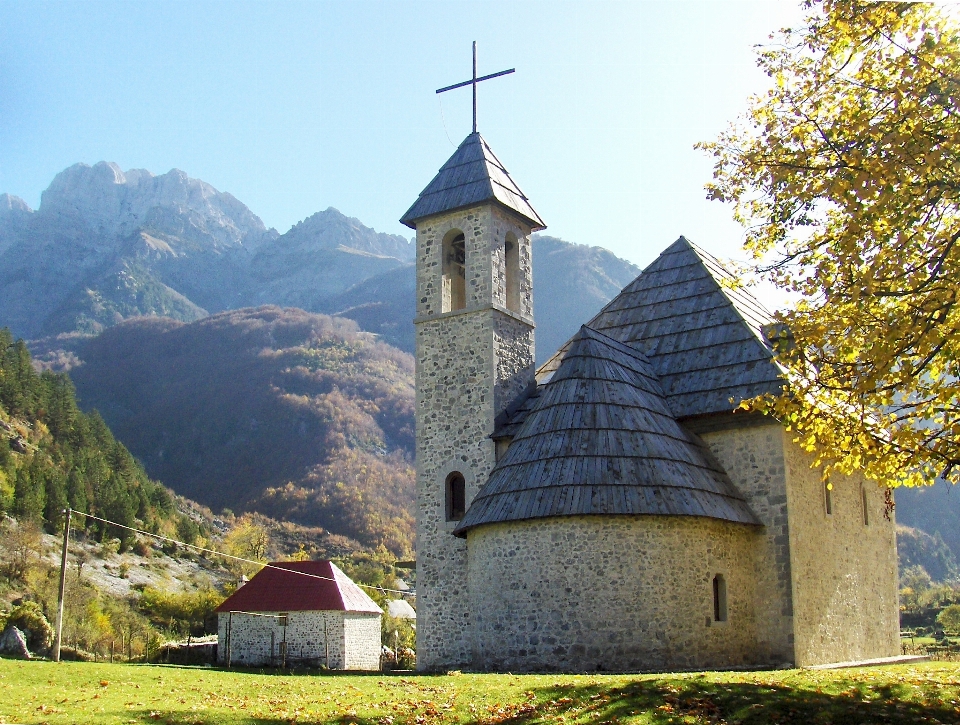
(294, 107)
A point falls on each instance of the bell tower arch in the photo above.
(474, 357)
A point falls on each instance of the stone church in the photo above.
(611, 510)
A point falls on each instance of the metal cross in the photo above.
(473, 82)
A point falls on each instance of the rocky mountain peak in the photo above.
(15, 213)
(11, 205)
(113, 203)
(329, 229)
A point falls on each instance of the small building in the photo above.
(306, 613)
(401, 609)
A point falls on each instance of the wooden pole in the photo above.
(63, 582)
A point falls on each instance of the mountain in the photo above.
(572, 283)
(916, 547)
(53, 456)
(14, 214)
(108, 245)
(384, 304)
(934, 509)
(295, 415)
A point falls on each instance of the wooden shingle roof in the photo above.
(473, 175)
(600, 438)
(702, 337)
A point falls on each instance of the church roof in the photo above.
(702, 334)
(473, 175)
(600, 438)
(298, 586)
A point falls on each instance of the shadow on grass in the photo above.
(661, 702)
(700, 700)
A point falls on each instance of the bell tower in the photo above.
(474, 357)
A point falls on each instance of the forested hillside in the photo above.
(52, 455)
(296, 415)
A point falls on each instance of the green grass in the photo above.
(76, 692)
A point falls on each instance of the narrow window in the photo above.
(828, 498)
(282, 620)
(511, 251)
(719, 599)
(454, 272)
(863, 502)
(456, 496)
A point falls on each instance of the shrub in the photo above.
(28, 618)
(949, 619)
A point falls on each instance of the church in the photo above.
(613, 510)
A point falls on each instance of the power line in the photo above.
(231, 556)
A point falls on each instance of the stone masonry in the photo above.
(338, 640)
(826, 583)
(634, 593)
(844, 567)
(614, 593)
(753, 458)
(470, 365)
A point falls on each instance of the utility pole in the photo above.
(63, 582)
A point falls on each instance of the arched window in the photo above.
(456, 496)
(454, 271)
(828, 498)
(511, 253)
(719, 598)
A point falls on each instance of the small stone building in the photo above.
(613, 510)
(306, 613)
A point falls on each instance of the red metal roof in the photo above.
(283, 587)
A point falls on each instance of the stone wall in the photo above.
(617, 593)
(312, 637)
(470, 365)
(485, 228)
(753, 457)
(844, 571)
(361, 641)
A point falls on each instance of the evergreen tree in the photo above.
(53, 456)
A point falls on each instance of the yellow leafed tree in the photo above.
(846, 175)
(249, 540)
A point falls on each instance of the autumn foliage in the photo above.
(296, 415)
(845, 174)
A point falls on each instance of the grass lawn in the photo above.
(78, 692)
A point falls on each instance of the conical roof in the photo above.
(473, 175)
(600, 438)
(702, 335)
